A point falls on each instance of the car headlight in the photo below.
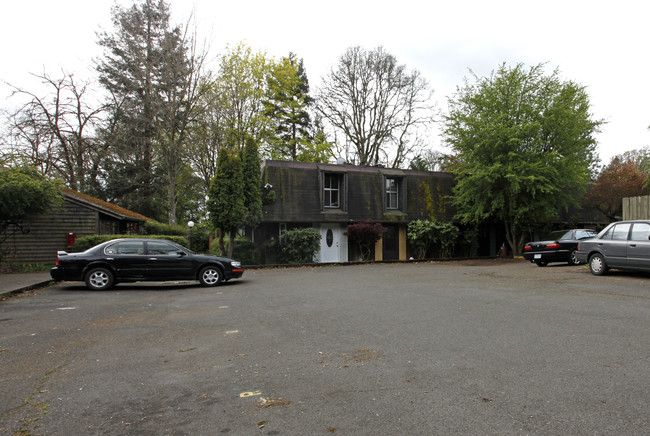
(236, 264)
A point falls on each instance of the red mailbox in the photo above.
(71, 238)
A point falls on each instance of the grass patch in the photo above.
(14, 268)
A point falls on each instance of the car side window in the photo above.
(125, 247)
(620, 232)
(640, 232)
(161, 248)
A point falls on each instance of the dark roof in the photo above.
(103, 206)
(348, 168)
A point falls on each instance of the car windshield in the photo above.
(559, 234)
(584, 234)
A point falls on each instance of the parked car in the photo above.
(557, 246)
(622, 245)
(133, 259)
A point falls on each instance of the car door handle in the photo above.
(153, 258)
(632, 245)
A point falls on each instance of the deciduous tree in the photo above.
(624, 176)
(377, 105)
(365, 234)
(524, 144)
(56, 131)
(241, 85)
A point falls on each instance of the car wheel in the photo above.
(99, 278)
(573, 260)
(597, 264)
(541, 263)
(210, 276)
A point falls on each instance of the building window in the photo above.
(332, 190)
(392, 193)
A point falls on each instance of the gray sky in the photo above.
(602, 45)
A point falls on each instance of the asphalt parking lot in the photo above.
(473, 347)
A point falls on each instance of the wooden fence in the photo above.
(636, 208)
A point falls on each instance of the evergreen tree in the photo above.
(152, 73)
(252, 185)
(286, 106)
(295, 136)
(226, 203)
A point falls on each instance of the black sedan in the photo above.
(558, 246)
(622, 245)
(131, 260)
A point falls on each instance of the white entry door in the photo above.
(330, 243)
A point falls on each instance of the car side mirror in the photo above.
(181, 253)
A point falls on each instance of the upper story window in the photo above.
(392, 193)
(332, 190)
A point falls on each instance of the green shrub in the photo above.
(422, 234)
(243, 251)
(8, 268)
(299, 245)
(199, 238)
(152, 227)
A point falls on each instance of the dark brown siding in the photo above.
(46, 234)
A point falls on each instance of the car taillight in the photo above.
(58, 262)
(528, 248)
(553, 245)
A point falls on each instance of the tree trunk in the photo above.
(231, 245)
(171, 199)
(222, 248)
(515, 239)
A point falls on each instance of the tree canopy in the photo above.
(625, 176)
(377, 104)
(153, 73)
(522, 140)
(524, 145)
(24, 191)
(226, 205)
